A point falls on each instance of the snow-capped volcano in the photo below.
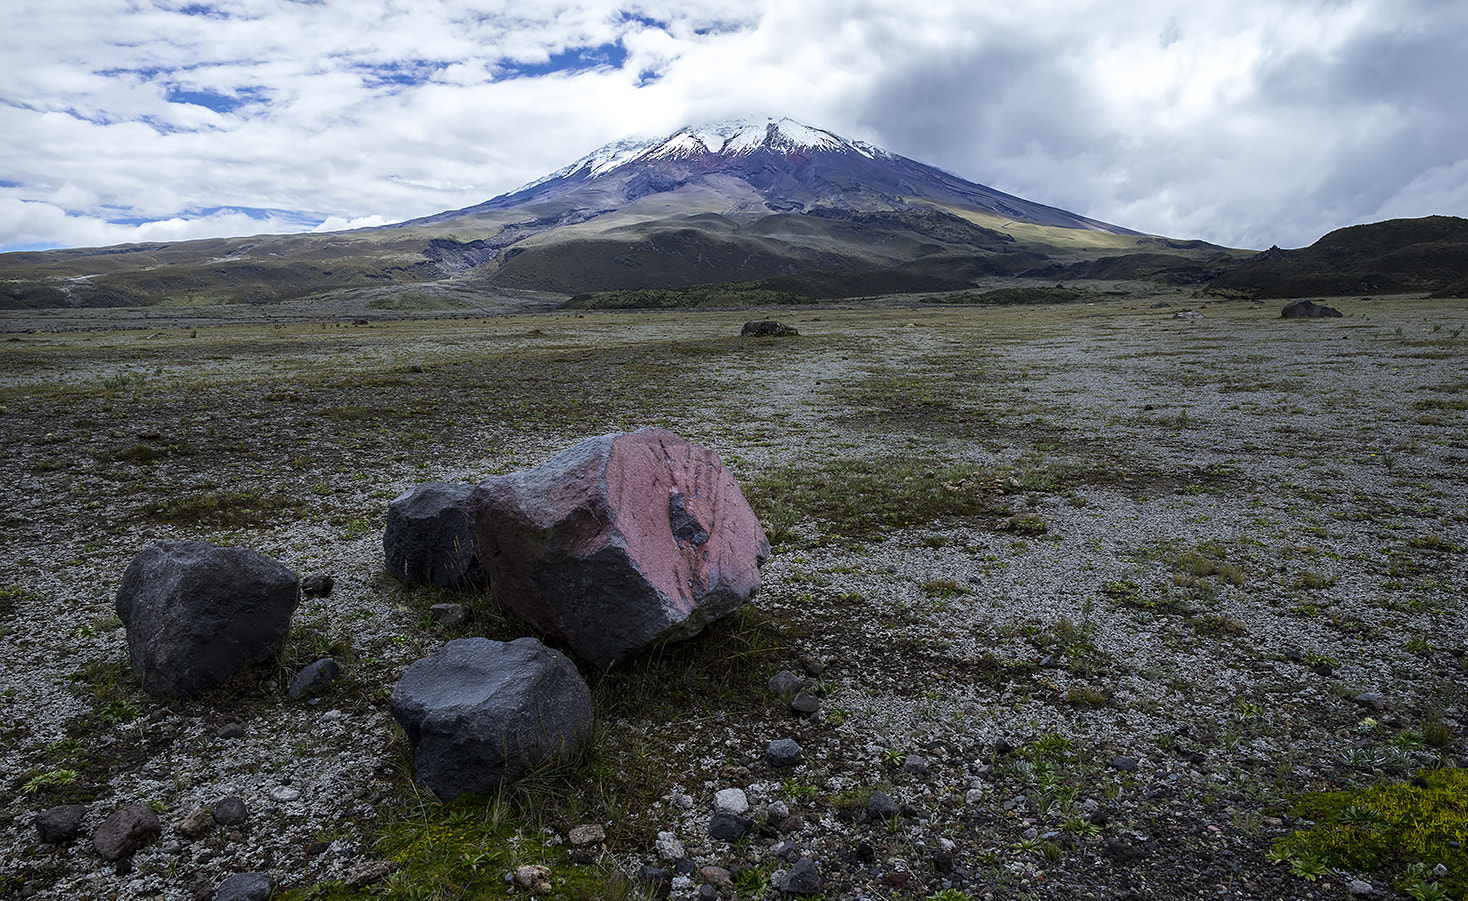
(754, 167)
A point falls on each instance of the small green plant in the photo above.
(49, 779)
(944, 588)
(1383, 826)
(1026, 524)
(1314, 581)
(1309, 867)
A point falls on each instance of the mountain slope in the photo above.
(1391, 257)
(733, 201)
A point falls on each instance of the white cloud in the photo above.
(1254, 123)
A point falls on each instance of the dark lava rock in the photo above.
(805, 703)
(428, 539)
(60, 824)
(313, 679)
(127, 830)
(620, 543)
(245, 887)
(197, 614)
(230, 811)
(783, 752)
(728, 827)
(1306, 309)
(786, 683)
(767, 328)
(880, 806)
(802, 879)
(1124, 764)
(318, 585)
(481, 712)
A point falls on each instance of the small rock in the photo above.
(245, 887)
(776, 811)
(230, 811)
(318, 585)
(880, 806)
(60, 824)
(793, 823)
(1359, 887)
(448, 614)
(1273, 822)
(1294, 655)
(284, 794)
(1124, 764)
(914, 765)
(802, 879)
(728, 827)
(731, 800)
(591, 834)
(706, 892)
(232, 730)
(1002, 747)
(1187, 314)
(1306, 309)
(716, 876)
(1121, 851)
(785, 683)
(126, 831)
(669, 847)
(805, 703)
(311, 680)
(534, 877)
(197, 824)
(1371, 701)
(974, 797)
(368, 872)
(782, 753)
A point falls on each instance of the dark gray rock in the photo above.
(783, 752)
(448, 614)
(60, 824)
(127, 830)
(318, 585)
(1306, 309)
(481, 712)
(802, 879)
(620, 543)
(915, 765)
(805, 703)
(786, 683)
(767, 328)
(729, 827)
(1124, 764)
(197, 614)
(314, 679)
(245, 887)
(880, 806)
(230, 811)
(428, 539)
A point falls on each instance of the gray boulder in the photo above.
(125, 831)
(1307, 309)
(619, 543)
(197, 614)
(479, 713)
(314, 679)
(245, 887)
(428, 539)
(60, 824)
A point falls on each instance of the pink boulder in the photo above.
(619, 543)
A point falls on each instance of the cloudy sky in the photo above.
(1247, 123)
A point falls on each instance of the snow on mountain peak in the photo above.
(737, 136)
(728, 137)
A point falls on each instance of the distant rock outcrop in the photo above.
(1306, 309)
(767, 328)
(197, 614)
(481, 712)
(428, 539)
(619, 543)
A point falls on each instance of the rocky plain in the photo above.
(1070, 601)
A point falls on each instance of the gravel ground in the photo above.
(1205, 547)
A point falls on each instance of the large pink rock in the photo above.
(619, 543)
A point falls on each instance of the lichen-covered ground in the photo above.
(1017, 543)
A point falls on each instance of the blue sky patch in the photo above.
(568, 62)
